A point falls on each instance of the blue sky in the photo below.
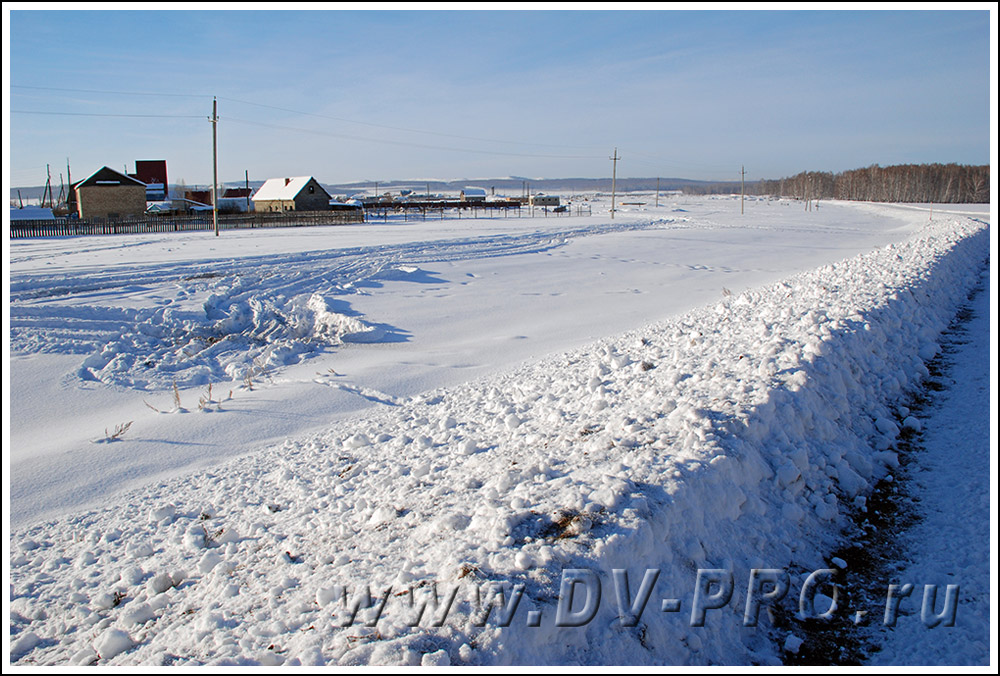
(378, 95)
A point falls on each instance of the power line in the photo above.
(105, 91)
(405, 129)
(300, 112)
(46, 112)
(659, 165)
(669, 167)
(407, 144)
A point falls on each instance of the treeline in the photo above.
(719, 188)
(938, 183)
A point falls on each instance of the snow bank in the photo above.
(732, 438)
(238, 334)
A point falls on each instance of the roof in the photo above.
(238, 192)
(474, 191)
(30, 212)
(282, 188)
(108, 176)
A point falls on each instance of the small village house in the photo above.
(300, 193)
(109, 194)
(544, 200)
(472, 195)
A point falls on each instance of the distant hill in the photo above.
(511, 186)
(515, 186)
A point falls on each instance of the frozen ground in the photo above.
(460, 402)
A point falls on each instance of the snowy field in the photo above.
(217, 445)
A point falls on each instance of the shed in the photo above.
(110, 194)
(300, 193)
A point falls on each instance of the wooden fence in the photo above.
(61, 227)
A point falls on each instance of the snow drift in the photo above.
(734, 437)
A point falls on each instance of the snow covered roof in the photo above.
(108, 176)
(281, 188)
(474, 191)
(28, 213)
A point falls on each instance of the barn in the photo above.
(300, 193)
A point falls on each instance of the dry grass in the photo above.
(119, 432)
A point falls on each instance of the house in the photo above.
(544, 200)
(160, 207)
(109, 194)
(301, 193)
(472, 195)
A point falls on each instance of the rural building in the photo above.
(154, 174)
(473, 195)
(301, 193)
(346, 205)
(203, 197)
(110, 194)
(236, 200)
(544, 200)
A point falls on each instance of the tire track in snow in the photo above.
(219, 319)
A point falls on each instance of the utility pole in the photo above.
(742, 187)
(215, 167)
(614, 178)
(247, 179)
(657, 191)
(48, 187)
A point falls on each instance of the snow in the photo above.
(954, 489)
(425, 410)
(28, 213)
